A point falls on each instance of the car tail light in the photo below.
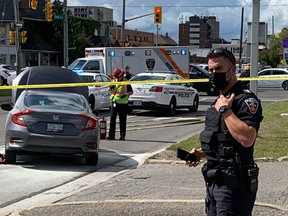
(91, 123)
(156, 89)
(18, 119)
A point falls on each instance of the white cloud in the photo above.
(228, 13)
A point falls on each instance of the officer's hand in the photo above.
(222, 100)
(199, 154)
(123, 96)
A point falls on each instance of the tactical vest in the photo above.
(217, 142)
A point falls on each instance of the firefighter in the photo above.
(227, 141)
(246, 73)
(119, 98)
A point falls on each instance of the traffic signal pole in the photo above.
(65, 34)
(17, 25)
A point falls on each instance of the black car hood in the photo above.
(49, 75)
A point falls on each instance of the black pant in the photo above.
(122, 110)
(222, 201)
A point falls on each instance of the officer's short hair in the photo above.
(218, 52)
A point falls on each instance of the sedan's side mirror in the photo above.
(6, 107)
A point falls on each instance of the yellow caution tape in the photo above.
(59, 85)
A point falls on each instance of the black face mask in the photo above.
(218, 80)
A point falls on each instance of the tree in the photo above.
(274, 53)
(80, 32)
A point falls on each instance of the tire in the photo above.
(2, 81)
(91, 101)
(10, 156)
(195, 105)
(91, 160)
(285, 85)
(172, 107)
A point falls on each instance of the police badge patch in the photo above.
(252, 104)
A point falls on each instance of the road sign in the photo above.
(59, 16)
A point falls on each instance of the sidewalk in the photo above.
(164, 189)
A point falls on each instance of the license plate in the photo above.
(137, 103)
(51, 127)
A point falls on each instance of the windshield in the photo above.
(54, 102)
(147, 77)
(77, 64)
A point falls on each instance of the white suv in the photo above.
(6, 71)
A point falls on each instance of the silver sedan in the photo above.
(51, 122)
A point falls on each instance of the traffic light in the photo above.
(49, 11)
(23, 37)
(33, 4)
(12, 37)
(157, 15)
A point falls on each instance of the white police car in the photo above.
(99, 95)
(159, 95)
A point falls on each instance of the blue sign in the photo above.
(285, 43)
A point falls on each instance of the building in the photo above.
(138, 38)
(199, 32)
(101, 14)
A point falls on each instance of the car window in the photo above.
(8, 67)
(278, 72)
(105, 79)
(87, 78)
(92, 65)
(77, 64)
(147, 77)
(54, 102)
(98, 79)
(263, 73)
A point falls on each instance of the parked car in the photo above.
(7, 74)
(272, 73)
(99, 95)
(47, 121)
(48, 75)
(162, 96)
(197, 72)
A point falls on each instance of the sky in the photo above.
(227, 12)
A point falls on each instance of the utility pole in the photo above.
(17, 25)
(241, 40)
(255, 45)
(65, 35)
(123, 23)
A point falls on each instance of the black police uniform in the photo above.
(230, 173)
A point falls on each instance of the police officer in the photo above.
(227, 142)
(119, 98)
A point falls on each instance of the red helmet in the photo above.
(118, 72)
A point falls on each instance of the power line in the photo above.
(198, 6)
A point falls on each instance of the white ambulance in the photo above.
(139, 59)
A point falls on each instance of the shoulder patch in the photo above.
(252, 104)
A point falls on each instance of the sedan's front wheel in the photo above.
(285, 85)
(195, 105)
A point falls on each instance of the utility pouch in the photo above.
(252, 178)
(230, 178)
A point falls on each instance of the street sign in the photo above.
(285, 43)
(59, 16)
